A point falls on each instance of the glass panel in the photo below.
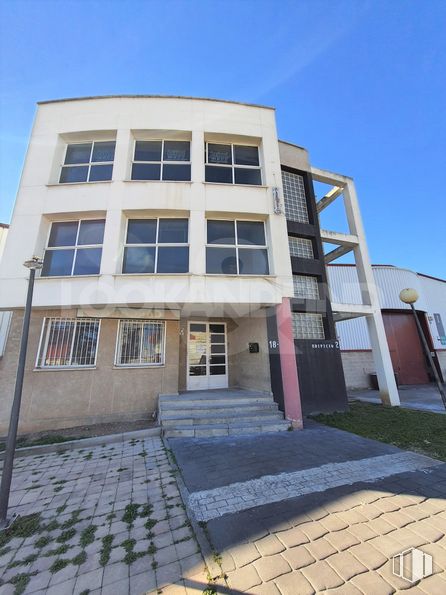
(219, 174)
(173, 260)
(63, 233)
(84, 347)
(91, 232)
(130, 341)
(253, 262)
(146, 171)
(219, 154)
(57, 263)
(176, 173)
(152, 343)
(70, 175)
(308, 326)
(139, 260)
(173, 231)
(248, 176)
(176, 150)
(197, 371)
(141, 231)
(294, 197)
(220, 339)
(198, 328)
(251, 233)
(218, 359)
(100, 173)
(221, 261)
(218, 348)
(221, 232)
(305, 286)
(148, 150)
(103, 151)
(246, 155)
(217, 370)
(217, 328)
(88, 261)
(197, 348)
(79, 153)
(59, 343)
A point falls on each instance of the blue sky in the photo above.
(361, 84)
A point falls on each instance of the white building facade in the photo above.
(164, 225)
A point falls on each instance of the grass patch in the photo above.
(130, 514)
(106, 549)
(59, 564)
(66, 535)
(42, 541)
(87, 535)
(24, 526)
(28, 560)
(419, 431)
(58, 551)
(47, 439)
(79, 559)
(72, 520)
(20, 581)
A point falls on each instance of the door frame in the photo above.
(208, 376)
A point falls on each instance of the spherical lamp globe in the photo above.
(408, 295)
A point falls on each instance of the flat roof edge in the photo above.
(286, 142)
(153, 97)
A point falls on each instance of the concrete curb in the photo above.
(83, 442)
(203, 541)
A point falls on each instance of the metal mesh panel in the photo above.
(140, 343)
(308, 326)
(305, 286)
(294, 197)
(300, 247)
(68, 342)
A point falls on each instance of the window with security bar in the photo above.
(140, 343)
(68, 342)
(167, 160)
(74, 248)
(305, 287)
(88, 162)
(294, 197)
(308, 326)
(300, 247)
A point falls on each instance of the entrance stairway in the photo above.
(222, 412)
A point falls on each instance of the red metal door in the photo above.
(405, 348)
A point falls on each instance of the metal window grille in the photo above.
(68, 342)
(305, 286)
(300, 247)
(308, 326)
(140, 343)
(294, 197)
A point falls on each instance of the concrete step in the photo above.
(186, 418)
(209, 430)
(217, 408)
(205, 402)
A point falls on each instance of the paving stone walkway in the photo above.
(337, 539)
(107, 519)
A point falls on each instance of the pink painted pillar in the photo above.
(290, 379)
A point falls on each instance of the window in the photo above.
(233, 164)
(294, 197)
(140, 343)
(300, 247)
(167, 160)
(68, 342)
(88, 162)
(308, 326)
(156, 246)
(74, 248)
(236, 248)
(305, 286)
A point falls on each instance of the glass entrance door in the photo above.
(207, 365)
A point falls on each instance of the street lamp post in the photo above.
(33, 264)
(410, 296)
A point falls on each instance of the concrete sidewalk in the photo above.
(424, 397)
(314, 511)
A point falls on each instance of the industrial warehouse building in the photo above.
(408, 359)
(182, 258)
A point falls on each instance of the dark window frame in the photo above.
(162, 162)
(90, 163)
(233, 165)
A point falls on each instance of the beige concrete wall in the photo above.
(357, 367)
(249, 370)
(66, 398)
(442, 361)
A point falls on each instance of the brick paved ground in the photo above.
(337, 539)
(103, 520)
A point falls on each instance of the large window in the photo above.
(74, 248)
(233, 164)
(88, 162)
(300, 247)
(156, 246)
(236, 248)
(68, 342)
(167, 160)
(294, 197)
(308, 326)
(140, 343)
(306, 287)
